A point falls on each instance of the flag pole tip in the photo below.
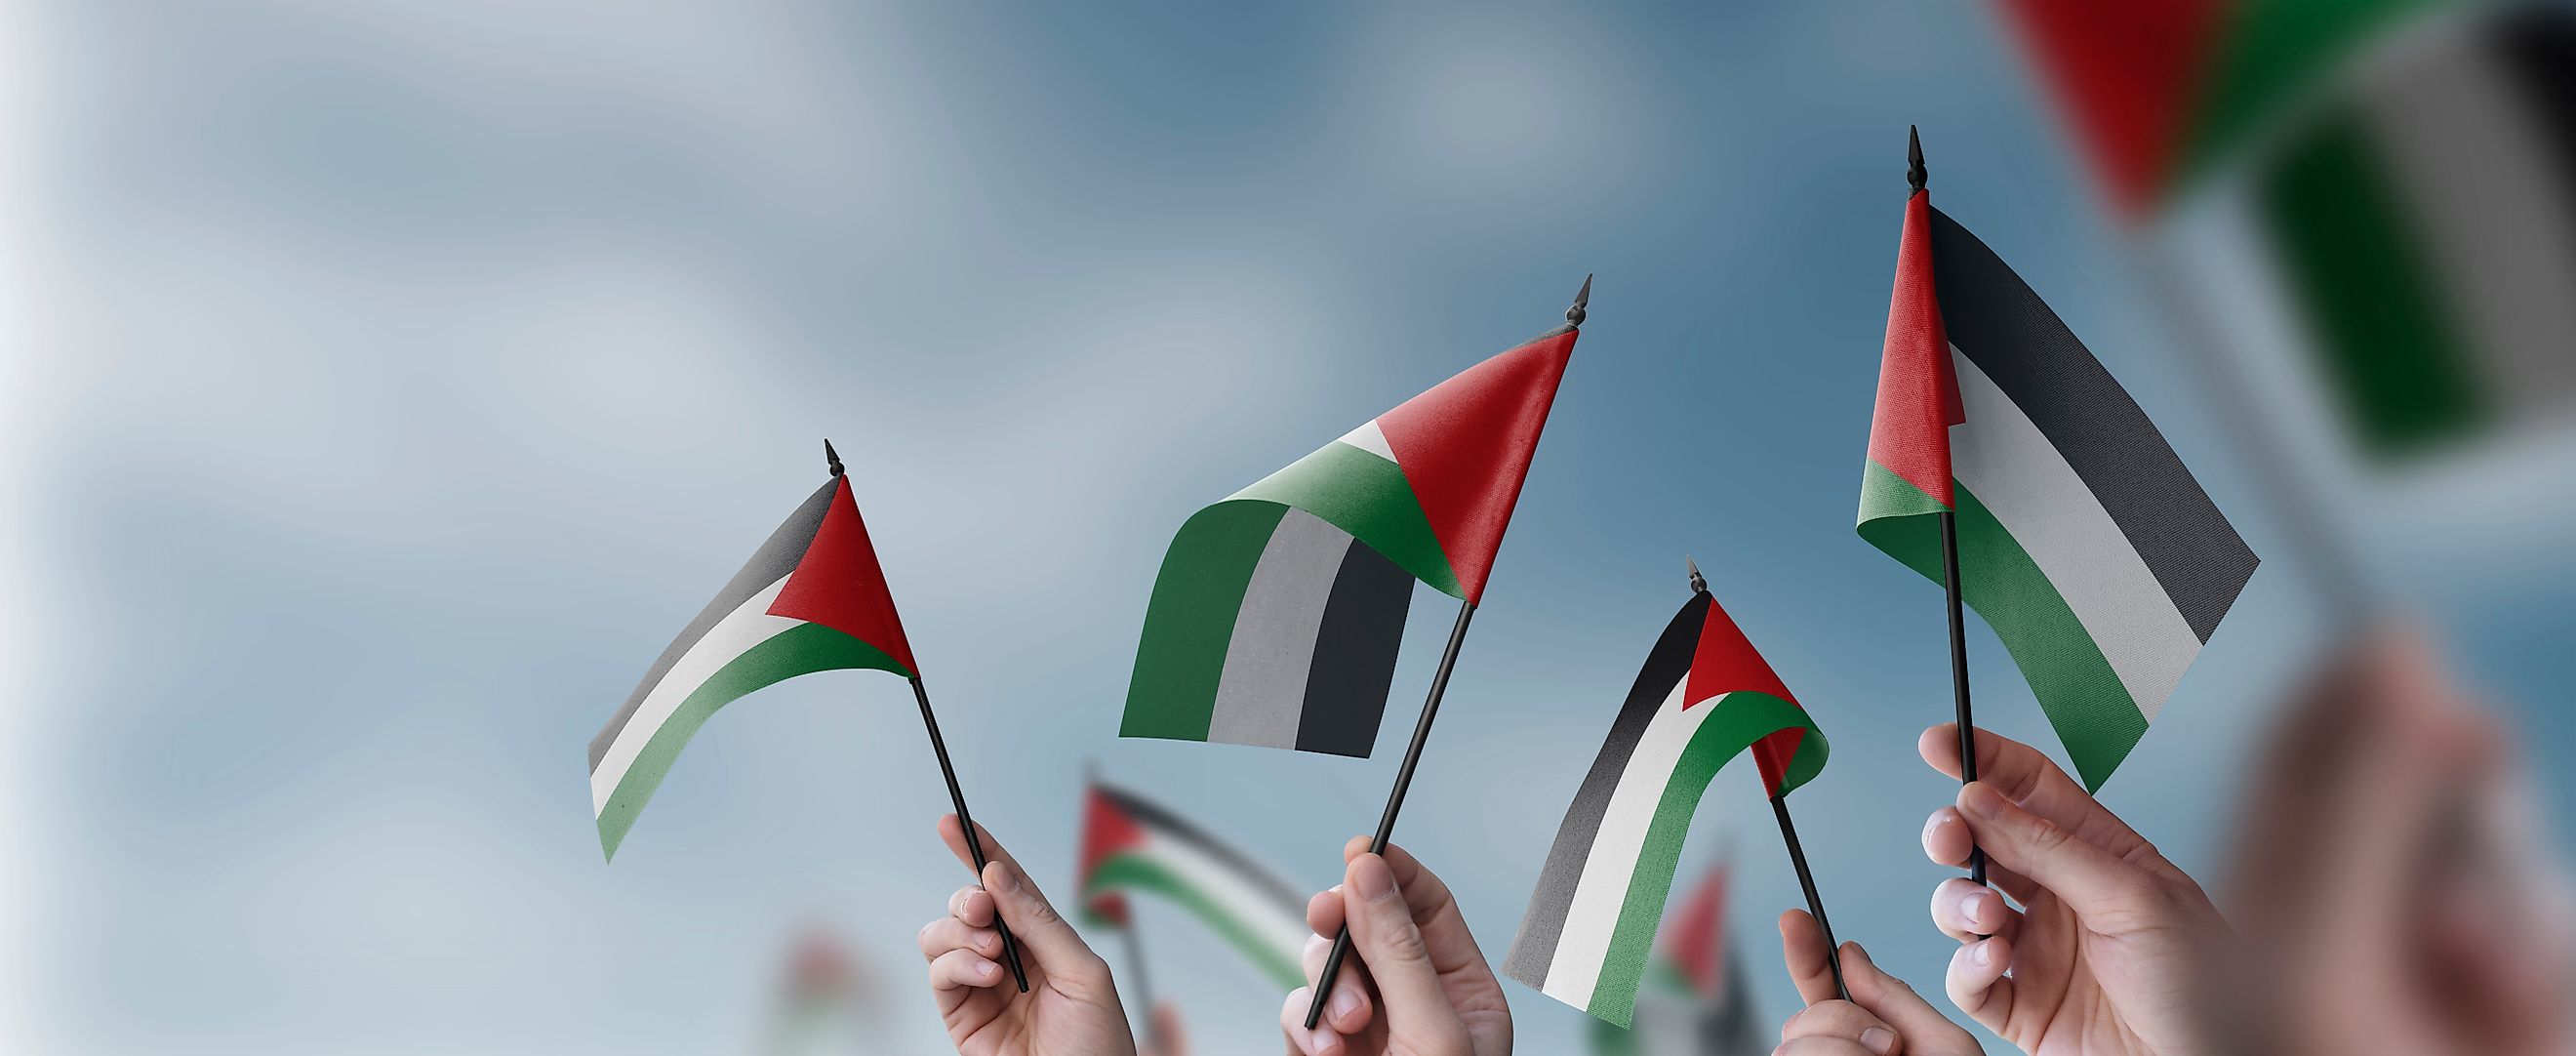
(1582, 299)
(831, 457)
(1699, 583)
(1915, 173)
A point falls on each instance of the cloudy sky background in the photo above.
(391, 384)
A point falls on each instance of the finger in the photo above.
(1821, 1047)
(2026, 776)
(1348, 1010)
(962, 969)
(1167, 1031)
(955, 837)
(1802, 950)
(1977, 984)
(1435, 908)
(1324, 911)
(1384, 936)
(1025, 909)
(949, 933)
(972, 906)
(1967, 911)
(1948, 841)
(1843, 1020)
(1292, 1024)
(2111, 894)
(1924, 1030)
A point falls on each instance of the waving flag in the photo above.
(1130, 844)
(1703, 696)
(811, 599)
(1277, 614)
(2083, 541)
(1695, 1001)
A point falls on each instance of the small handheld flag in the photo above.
(2006, 463)
(1704, 697)
(812, 598)
(1131, 844)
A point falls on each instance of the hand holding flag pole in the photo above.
(1574, 317)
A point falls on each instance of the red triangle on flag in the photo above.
(840, 585)
(1465, 448)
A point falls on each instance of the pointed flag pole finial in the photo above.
(1582, 297)
(833, 458)
(1699, 583)
(1915, 173)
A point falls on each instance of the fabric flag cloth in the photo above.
(811, 599)
(1130, 844)
(2388, 186)
(1703, 696)
(2083, 541)
(1277, 614)
(1695, 1001)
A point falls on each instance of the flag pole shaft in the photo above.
(1959, 673)
(1807, 884)
(1395, 800)
(966, 821)
(1135, 944)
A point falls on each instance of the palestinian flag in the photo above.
(811, 599)
(2083, 541)
(2388, 188)
(1703, 697)
(1129, 844)
(1695, 1001)
(1277, 614)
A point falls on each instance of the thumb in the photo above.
(1041, 930)
(1383, 932)
(2108, 892)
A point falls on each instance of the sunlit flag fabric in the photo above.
(2389, 186)
(2083, 541)
(1277, 614)
(1703, 696)
(1130, 844)
(811, 599)
(1695, 1001)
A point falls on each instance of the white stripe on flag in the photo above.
(748, 625)
(1368, 437)
(2011, 467)
(1252, 906)
(1592, 916)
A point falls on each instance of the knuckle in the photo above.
(2046, 835)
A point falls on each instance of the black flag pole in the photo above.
(1807, 885)
(1421, 732)
(956, 793)
(1917, 176)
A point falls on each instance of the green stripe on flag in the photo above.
(1884, 494)
(1367, 496)
(800, 650)
(1127, 872)
(2385, 339)
(1741, 718)
(1190, 619)
(2091, 710)
(2274, 51)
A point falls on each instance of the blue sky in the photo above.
(419, 371)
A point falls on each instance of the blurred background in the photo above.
(386, 383)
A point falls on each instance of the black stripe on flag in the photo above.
(1996, 320)
(1355, 649)
(1535, 947)
(774, 560)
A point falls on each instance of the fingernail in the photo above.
(1345, 1002)
(1983, 953)
(1376, 884)
(1336, 889)
(1973, 908)
(1933, 824)
(987, 970)
(1879, 1040)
